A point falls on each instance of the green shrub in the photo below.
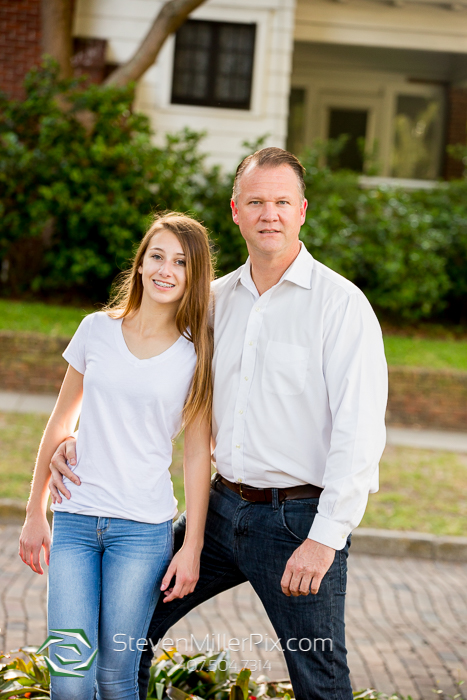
(388, 241)
(79, 177)
(447, 205)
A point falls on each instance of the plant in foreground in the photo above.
(174, 676)
(180, 676)
(24, 679)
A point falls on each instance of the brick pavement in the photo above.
(406, 621)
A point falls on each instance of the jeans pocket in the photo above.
(297, 517)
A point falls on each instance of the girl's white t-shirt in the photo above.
(132, 409)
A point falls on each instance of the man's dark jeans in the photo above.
(252, 542)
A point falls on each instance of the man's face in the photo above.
(269, 210)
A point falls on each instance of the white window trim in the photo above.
(258, 84)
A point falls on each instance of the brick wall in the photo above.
(19, 43)
(427, 398)
(456, 131)
(20, 47)
(31, 363)
(417, 397)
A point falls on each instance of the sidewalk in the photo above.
(427, 439)
(13, 402)
(406, 621)
(407, 437)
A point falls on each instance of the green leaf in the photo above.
(236, 693)
(177, 694)
(242, 681)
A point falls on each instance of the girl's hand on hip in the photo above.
(35, 535)
(185, 568)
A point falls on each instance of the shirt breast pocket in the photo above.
(285, 367)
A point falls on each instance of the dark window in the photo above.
(89, 58)
(213, 64)
(351, 122)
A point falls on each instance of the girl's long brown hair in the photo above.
(192, 317)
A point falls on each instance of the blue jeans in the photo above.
(252, 542)
(104, 579)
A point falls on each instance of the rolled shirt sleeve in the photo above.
(356, 378)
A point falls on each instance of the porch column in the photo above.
(456, 132)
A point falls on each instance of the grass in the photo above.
(19, 439)
(420, 490)
(424, 352)
(447, 353)
(40, 318)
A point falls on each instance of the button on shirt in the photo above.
(300, 389)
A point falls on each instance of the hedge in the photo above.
(80, 177)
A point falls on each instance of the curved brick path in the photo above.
(406, 621)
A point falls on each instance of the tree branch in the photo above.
(171, 16)
(56, 39)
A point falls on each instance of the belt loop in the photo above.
(275, 499)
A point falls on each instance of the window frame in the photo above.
(212, 73)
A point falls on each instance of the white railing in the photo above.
(448, 4)
(367, 182)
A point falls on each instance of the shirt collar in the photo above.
(298, 273)
(300, 270)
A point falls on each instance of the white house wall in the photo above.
(369, 23)
(125, 23)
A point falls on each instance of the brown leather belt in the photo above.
(255, 495)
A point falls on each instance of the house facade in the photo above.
(390, 74)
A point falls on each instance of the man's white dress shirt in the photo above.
(300, 389)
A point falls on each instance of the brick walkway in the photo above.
(406, 621)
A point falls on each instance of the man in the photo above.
(300, 388)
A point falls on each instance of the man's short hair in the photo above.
(270, 157)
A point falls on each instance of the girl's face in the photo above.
(163, 269)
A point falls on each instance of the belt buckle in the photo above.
(241, 493)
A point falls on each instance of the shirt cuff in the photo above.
(329, 532)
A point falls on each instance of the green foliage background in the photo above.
(80, 178)
(79, 184)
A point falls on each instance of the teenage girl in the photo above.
(138, 372)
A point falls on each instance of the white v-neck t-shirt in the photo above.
(132, 410)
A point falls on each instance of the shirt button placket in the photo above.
(246, 376)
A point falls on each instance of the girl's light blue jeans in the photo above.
(104, 580)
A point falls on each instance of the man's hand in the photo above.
(185, 567)
(35, 535)
(306, 568)
(66, 451)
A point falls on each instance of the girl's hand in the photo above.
(185, 567)
(35, 535)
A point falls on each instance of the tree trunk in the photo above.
(171, 16)
(57, 18)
